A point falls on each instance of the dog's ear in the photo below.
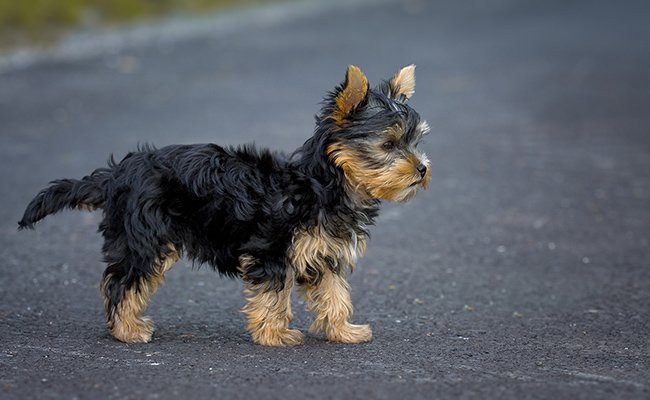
(402, 85)
(353, 93)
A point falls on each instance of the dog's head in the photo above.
(374, 134)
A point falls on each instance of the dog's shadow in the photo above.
(200, 332)
(207, 333)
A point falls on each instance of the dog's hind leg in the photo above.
(127, 289)
(269, 310)
(138, 249)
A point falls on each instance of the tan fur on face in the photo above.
(403, 83)
(127, 322)
(269, 313)
(313, 247)
(390, 182)
(330, 301)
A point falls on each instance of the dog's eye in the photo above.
(388, 145)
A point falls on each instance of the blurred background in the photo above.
(523, 272)
(44, 22)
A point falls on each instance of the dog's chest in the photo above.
(314, 249)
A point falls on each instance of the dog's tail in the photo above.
(84, 194)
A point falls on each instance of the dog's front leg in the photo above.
(269, 313)
(329, 300)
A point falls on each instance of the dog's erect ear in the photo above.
(352, 94)
(402, 85)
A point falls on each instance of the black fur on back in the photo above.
(214, 204)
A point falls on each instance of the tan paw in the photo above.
(278, 337)
(133, 331)
(349, 333)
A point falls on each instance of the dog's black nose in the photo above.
(422, 169)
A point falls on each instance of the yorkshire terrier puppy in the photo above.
(275, 221)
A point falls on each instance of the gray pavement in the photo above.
(524, 272)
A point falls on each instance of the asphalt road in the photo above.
(523, 272)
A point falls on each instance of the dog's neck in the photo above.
(339, 208)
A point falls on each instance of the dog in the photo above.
(276, 221)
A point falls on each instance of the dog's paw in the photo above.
(349, 333)
(133, 331)
(278, 337)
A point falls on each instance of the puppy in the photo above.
(274, 221)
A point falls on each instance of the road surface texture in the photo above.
(523, 272)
